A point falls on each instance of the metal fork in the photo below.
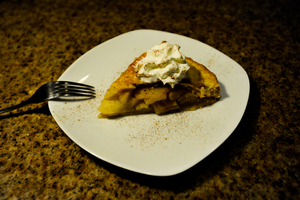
(58, 90)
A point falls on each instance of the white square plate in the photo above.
(151, 144)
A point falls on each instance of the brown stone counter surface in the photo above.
(39, 40)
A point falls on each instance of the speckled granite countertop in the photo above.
(40, 39)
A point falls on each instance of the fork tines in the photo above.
(73, 89)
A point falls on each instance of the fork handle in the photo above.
(15, 106)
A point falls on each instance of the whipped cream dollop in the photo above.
(163, 62)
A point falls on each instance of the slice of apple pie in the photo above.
(161, 80)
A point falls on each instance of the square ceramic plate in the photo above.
(151, 144)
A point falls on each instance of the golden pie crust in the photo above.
(128, 95)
